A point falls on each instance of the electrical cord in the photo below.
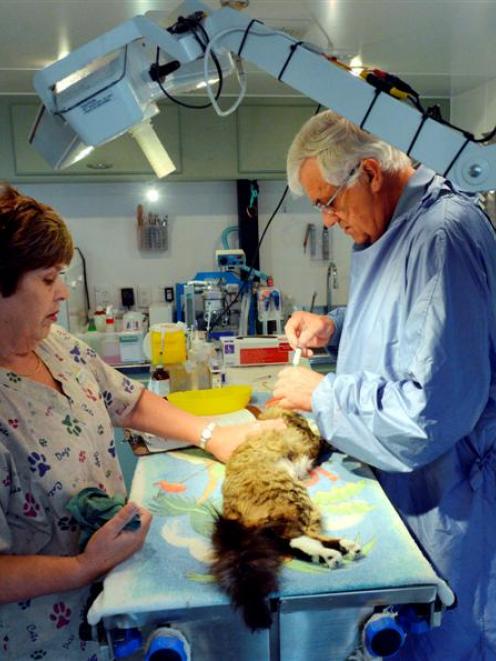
(239, 72)
(214, 322)
(215, 59)
(226, 309)
(85, 281)
(63, 111)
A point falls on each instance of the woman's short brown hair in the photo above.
(32, 236)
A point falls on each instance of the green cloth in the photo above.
(92, 508)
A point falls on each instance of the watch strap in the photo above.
(206, 435)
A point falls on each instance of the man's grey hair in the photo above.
(338, 145)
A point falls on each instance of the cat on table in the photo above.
(268, 515)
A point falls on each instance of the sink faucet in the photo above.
(331, 283)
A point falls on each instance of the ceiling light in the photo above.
(152, 195)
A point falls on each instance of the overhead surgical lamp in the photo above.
(108, 87)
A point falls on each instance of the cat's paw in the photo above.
(330, 557)
(317, 551)
(351, 549)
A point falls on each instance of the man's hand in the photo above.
(111, 544)
(294, 388)
(306, 330)
(226, 439)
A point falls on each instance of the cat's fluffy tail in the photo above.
(246, 567)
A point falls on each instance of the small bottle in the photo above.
(100, 319)
(217, 370)
(198, 363)
(160, 381)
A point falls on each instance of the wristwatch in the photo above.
(206, 435)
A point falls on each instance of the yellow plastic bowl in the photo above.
(212, 401)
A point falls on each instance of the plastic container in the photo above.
(100, 319)
(110, 348)
(93, 339)
(179, 377)
(213, 401)
(131, 347)
(198, 363)
(133, 321)
(165, 344)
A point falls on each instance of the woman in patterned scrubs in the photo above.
(59, 403)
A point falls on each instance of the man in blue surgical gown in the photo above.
(414, 393)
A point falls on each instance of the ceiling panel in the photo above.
(439, 46)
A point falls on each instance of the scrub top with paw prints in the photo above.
(52, 445)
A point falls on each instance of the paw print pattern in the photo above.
(90, 394)
(67, 523)
(72, 424)
(87, 409)
(24, 604)
(7, 481)
(60, 614)
(30, 507)
(127, 385)
(43, 442)
(111, 449)
(107, 398)
(38, 654)
(76, 354)
(82, 457)
(5, 643)
(100, 430)
(13, 422)
(38, 463)
(13, 377)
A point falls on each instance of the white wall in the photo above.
(102, 219)
(475, 110)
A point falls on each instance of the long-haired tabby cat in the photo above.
(267, 515)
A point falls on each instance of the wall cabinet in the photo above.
(251, 143)
(264, 134)
(120, 156)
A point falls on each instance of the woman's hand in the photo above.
(227, 438)
(111, 544)
(294, 388)
(305, 330)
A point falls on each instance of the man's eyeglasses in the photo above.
(327, 207)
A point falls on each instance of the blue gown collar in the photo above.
(414, 191)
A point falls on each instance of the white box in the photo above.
(131, 347)
(255, 350)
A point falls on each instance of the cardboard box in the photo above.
(255, 350)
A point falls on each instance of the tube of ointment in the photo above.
(296, 357)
